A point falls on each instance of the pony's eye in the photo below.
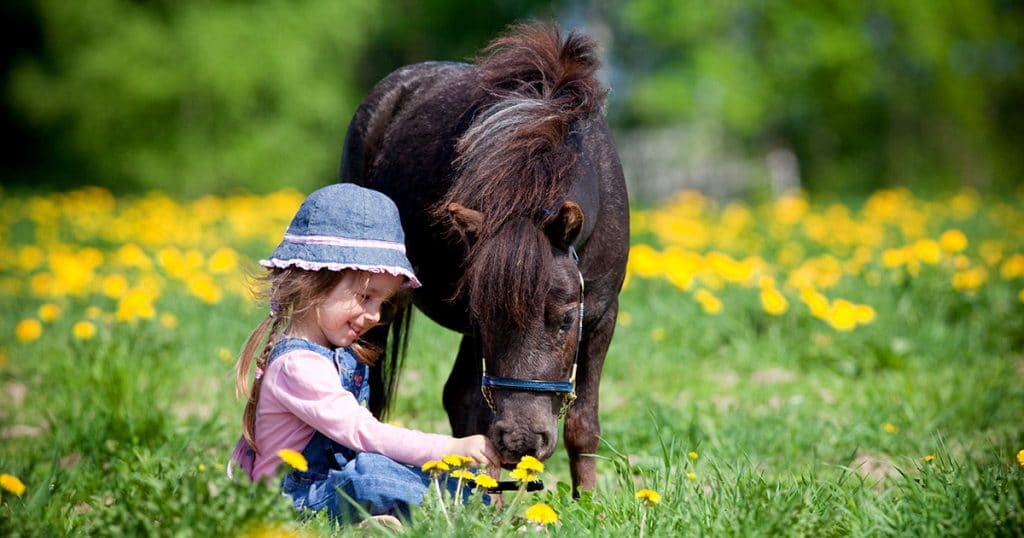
(567, 319)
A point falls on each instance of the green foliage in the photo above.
(862, 91)
(199, 97)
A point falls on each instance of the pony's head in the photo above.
(525, 295)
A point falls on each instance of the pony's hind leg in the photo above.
(468, 414)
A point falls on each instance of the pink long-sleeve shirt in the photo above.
(301, 394)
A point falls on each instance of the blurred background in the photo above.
(732, 98)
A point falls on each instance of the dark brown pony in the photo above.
(504, 171)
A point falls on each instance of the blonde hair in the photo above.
(291, 292)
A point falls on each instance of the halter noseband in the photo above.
(567, 388)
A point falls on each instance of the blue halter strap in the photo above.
(567, 387)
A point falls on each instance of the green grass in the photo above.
(127, 433)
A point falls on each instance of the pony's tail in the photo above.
(266, 330)
(392, 339)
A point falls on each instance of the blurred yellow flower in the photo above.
(865, 314)
(928, 458)
(927, 250)
(542, 514)
(693, 455)
(953, 241)
(708, 301)
(114, 286)
(203, 287)
(625, 319)
(93, 312)
(1020, 457)
(970, 279)
(49, 312)
(657, 334)
(30, 257)
(132, 255)
(692, 476)
(889, 427)
(28, 330)
(168, 320)
(293, 458)
(649, 496)
(137, 303)
(223, 260)
(842, 315)
(1013, 267)
(815, 301)
(644, 260)
(773, 301)
(83, 330)
(12, 483)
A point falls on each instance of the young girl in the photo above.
(341, 259)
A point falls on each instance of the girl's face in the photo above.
(350, 309)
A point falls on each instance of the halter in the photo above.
(566, 388)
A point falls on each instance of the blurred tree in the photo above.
(198, 96)
(865, 93)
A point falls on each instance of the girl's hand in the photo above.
(479, 448)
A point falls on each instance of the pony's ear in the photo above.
(566, 226)
(467, 221)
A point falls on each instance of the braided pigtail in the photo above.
(265, 333)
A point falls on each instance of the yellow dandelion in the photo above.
(928, 458)
(49, 312)
(693, 455)
(294, 459)
(773, 301)
(12, 484)
(523, 475)
(708, 302)
(28, 330)
(649, 496)
(953, 241)
(455, 461)
(542, 514)
(1020, 458)
(842, 315)
(865, 314)
(692, 476)
(223, 260)
(657, 334)
(114, 286)
(889, 427)
(530, 463)
(434, 466)
(462, 474)
(201, 468)
(485, 482)
(225, 356)
(83, 330)
(1020, 295)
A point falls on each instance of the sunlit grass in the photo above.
(792, 367)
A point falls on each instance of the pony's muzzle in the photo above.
(517, 440)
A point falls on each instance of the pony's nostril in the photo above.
(543, 439)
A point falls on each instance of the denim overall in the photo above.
(340, 480)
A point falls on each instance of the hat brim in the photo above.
(314, 258)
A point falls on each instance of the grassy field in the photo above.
(795, 367)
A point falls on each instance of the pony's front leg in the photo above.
(468, 413)
(582, 426)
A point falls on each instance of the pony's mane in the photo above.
(518, 159)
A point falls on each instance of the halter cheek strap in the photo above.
(567, 387)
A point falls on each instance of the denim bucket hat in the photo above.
(345, 226)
